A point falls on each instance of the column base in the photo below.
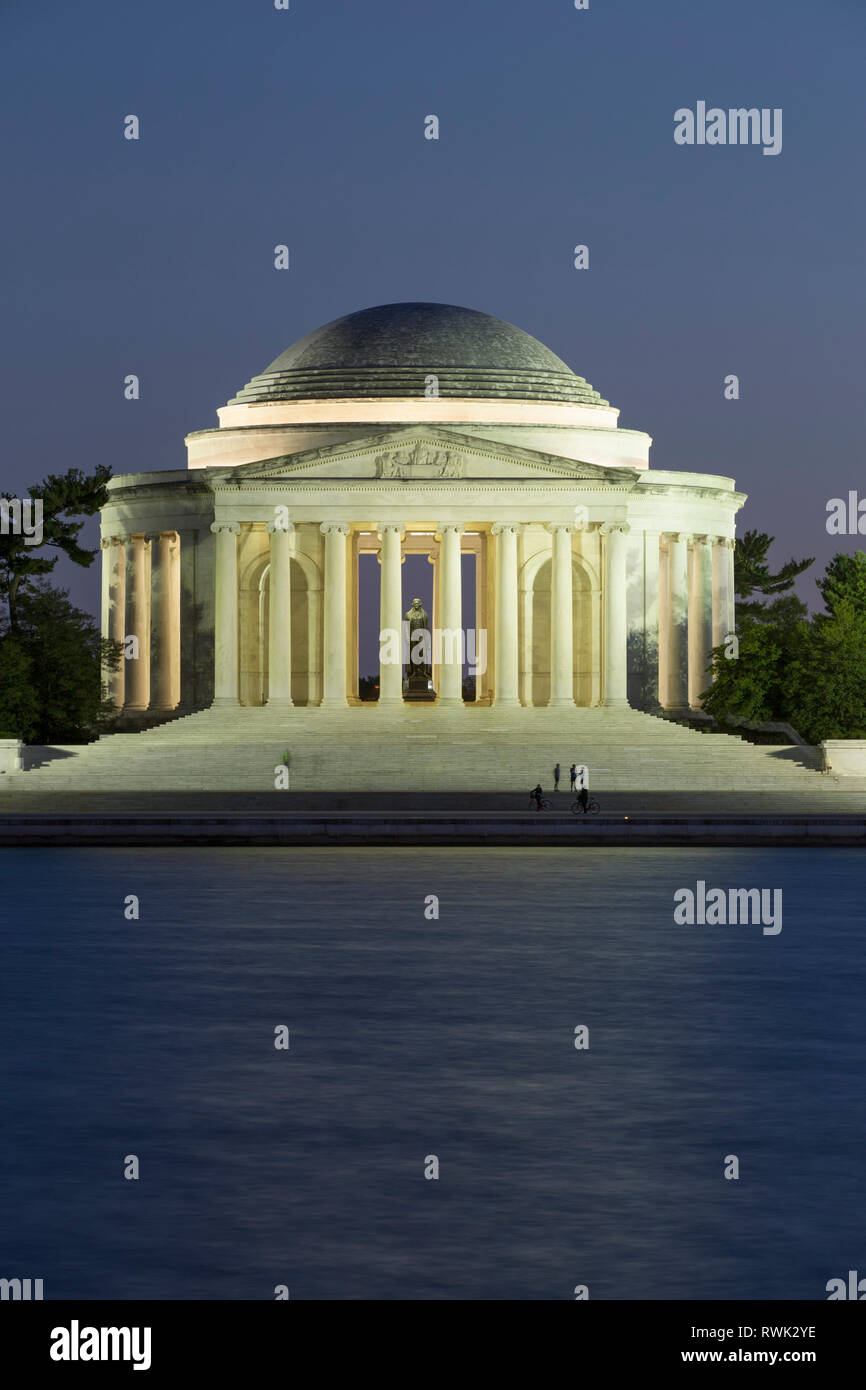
(615, 704)
(506, 702)
(450, 702)
(560, 702)
(334, 702)
(279, 702)
(225, 702)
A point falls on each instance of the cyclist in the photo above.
(537, 796)
(583, 798)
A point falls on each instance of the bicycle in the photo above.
(544, 804)
(592, 808)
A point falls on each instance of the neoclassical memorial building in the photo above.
(417, 429)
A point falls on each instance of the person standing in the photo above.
(556, 771)
(572, 772)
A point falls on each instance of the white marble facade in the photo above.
(598, 580)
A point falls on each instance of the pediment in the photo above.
(420, 453)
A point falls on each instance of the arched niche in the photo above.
(254, 618)
(535, 581)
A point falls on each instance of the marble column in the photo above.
(280, 614)
(164, 622)
(137, 663)
(433, 557)
(391, 614)
(334, 682)
(506, 672)
(677, 700)
(561, 618)
(226, 614)
(701, 618)
(651, 608)
(450, 615)
(720, 590)
(114, 610)
(732, 593)
(662, 629)
(615, 615)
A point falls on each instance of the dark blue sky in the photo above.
(306, 127)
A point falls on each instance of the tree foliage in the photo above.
(67, 500)
(52, 656)
(752, 573)
(51, 670)
(844, 580)
(828, 680)
(807, 671)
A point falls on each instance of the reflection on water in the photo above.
(412, 1037)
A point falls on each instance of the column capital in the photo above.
(221, 527)
(382, 526)
(280, 527)
(444, 526)
(686, 537)
(554, 526)
(608, 527)
(500, 527)
(330, 528)
(704, 538)
(170, 536)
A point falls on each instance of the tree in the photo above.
(810, 672)
(51, 669)
(771, 626)
(828, 678)
(755, 684)
(67, 499)
(752, 574)
(18, 698)
(845, 579)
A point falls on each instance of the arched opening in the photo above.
(535, 676)
(255, 635)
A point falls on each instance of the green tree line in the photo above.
(52, 656)
(806, 669)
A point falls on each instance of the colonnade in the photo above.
(141, 610)
(141, 599)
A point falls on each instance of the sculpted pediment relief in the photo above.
(420, 461)
(430, 455)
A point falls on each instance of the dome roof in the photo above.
(389, 351)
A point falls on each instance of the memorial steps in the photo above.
(421, 747)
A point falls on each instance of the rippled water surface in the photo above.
(412, 1037)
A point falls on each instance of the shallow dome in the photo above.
(389, 352)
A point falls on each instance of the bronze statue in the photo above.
(418, 670)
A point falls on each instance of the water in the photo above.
(412, 1038)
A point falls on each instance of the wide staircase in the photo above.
(418, 748)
